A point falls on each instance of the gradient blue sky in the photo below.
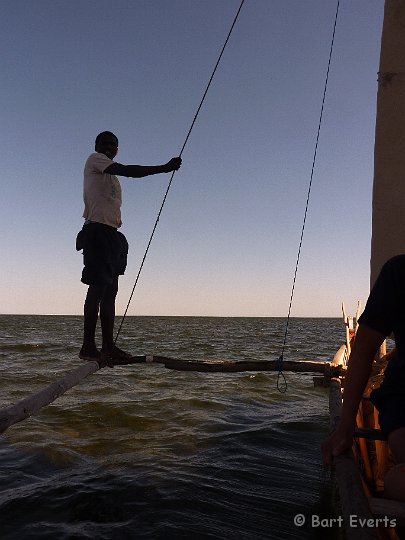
(228, 238)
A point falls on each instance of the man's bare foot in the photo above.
(114, 357)
(91, 354)
(115, 354)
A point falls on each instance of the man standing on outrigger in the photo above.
(105, 249)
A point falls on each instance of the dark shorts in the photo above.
(391, 414)
(389, 398)
(105, 253)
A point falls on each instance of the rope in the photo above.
(171, 178)
(281, 357)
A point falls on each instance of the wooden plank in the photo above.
(32, 404)
(352, 498)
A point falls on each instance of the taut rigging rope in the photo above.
(171, 178)
(281, 357)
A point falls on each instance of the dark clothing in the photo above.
(385, 312)
(385, 308)
(391, 410)
(105, 253)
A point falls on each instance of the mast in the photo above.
(388, 209)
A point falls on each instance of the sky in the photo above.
(228, 237)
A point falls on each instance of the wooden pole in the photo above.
(233, 366)
(32, 404)
(346, 323)
(357, 316)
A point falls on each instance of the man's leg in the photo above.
(91, 308)
(107, 315)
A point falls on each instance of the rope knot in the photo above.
(279, 362)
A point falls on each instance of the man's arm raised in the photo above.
(139, 171)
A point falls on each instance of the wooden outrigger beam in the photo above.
(233, 366)
(329, 369)
(32, 404)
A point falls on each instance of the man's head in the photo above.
(107, 143)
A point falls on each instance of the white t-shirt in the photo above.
(101, 192)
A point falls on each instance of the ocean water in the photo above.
(145, 452)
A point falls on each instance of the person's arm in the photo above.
(365, 347)
(139, 171)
